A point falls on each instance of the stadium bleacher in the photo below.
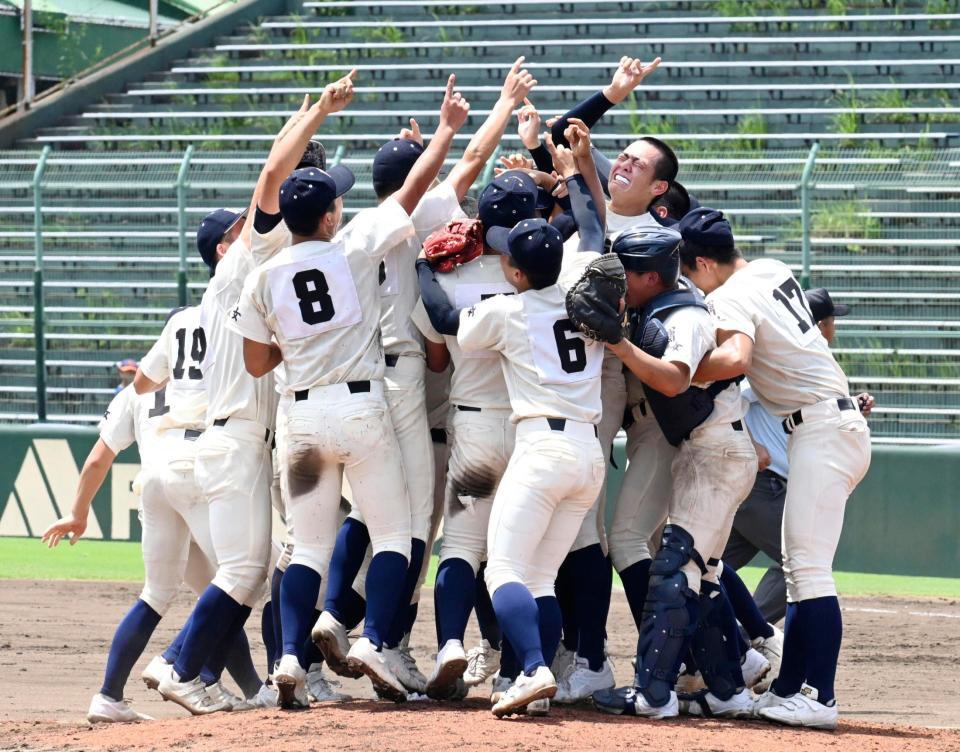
(744, 91)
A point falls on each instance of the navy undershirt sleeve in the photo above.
(443, 316)
(586, 215)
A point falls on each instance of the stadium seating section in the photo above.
(744, 91)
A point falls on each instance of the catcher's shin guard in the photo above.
(714, 645)
(669, 617)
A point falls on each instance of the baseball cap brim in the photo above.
(343, 178)
(240, 216)
(498, 238)
(840, 309)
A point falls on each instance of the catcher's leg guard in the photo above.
(669, 617)
(714, 644)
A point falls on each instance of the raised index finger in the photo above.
(450, 83)
(517, 63)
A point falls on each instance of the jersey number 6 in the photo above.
(316, 305)
(571, 349)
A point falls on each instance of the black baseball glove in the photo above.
(595, 302)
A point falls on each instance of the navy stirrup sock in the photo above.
(564, 587)
(129, 642)
(823, 625)
(348, 553)
(299, 591)
(548, 609)
(267, 635)
(592, 584)
(636, 580)
(519, 617)
(486, 617)
(792, 666)
(385, 579)
(214, 614)
(399, 622)
(744, 606)
(453, 597)
(172, 652)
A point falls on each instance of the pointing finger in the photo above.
(517, 63)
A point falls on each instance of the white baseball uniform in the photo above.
(557, 467)
(480, 433)
(233, 459)
(829, 448)
(172, 509)
(320, 302)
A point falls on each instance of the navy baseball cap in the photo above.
(510, 198)
(822, 305)
(394, 160)
(534, 244)
(211, 231)
(308, 193)
(708, 227)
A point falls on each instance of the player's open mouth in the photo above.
(620, 179)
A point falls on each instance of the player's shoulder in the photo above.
(182, 314)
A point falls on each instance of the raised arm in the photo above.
(517, 85)
(585, 208)
(453, 114)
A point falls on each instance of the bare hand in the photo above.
(528, 127)
(65, 527)
(563, 159)
(518, 84)
(763, 457)
(338, 95)
(628, 76)
(578, 136)
(516, 161)
(867, 402)
(455, 109)
(560, 189)
(412, 133)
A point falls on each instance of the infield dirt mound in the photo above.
(897, 667)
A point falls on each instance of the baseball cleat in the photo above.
(630, 701)
(290, 679)
(321, 689)
(803, 709)
(451, 663)
(539, 708)
(500, 684)
(482, 663)
(266, 697)
(754, 667)
(767, 700)
(580, 683)
(707, 705)
(366, 659)
(155, 671)
(562, 662)
(191, 695)
(525, 690)
(405, 668)
(104, 710)
(770, 648)
(220, 694)
(331, 637)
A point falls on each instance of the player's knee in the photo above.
(498, 573)
(159, 596)
(472, 557)
(807, 582)
(627, 549)
(396, 542)
(316, 558)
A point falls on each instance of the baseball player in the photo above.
(713, 469)
(556, 468)
(765, 329)
(233, 454)
(315, 307)
(404, 357)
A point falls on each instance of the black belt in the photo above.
(469, 409)
(220, 422)
(776, 476)
(438, 435)
(354, 386)
(391, 360)
(737, 425)
(560, 424)
(192, 434)
(844, 403)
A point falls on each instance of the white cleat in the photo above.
(366, 659)
(500, 684)
(767, 700)
(155, 671)
(562, 662)
(409, 672)
(220, 694)
(539, 708)
(104, 710)
(266, 697)
(803, 709)
(331, 637)
(708, 705)
(291, 682)
(321, 689)
(451, 663)
(190, 695)
(754, 667)
(482, 663)
(580, 683)
(770, 648)
(525, 690)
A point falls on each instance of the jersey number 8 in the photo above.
(316, 305)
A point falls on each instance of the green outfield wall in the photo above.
(903, 519)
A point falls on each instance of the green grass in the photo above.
(28, 559)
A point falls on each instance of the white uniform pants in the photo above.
(335, 431)
(173, 510)
(713, 472)
(613, 393)
(551, 482)
(644, 498)
(481, 446)
(234, 471)
(282, 536)
(829, 454)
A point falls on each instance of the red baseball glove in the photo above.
(457, 243)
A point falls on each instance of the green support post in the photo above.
(182, 225)
(38, 322)
(487, 175)
(338, 155)
(805, 214)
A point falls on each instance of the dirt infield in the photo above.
(54, 636)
